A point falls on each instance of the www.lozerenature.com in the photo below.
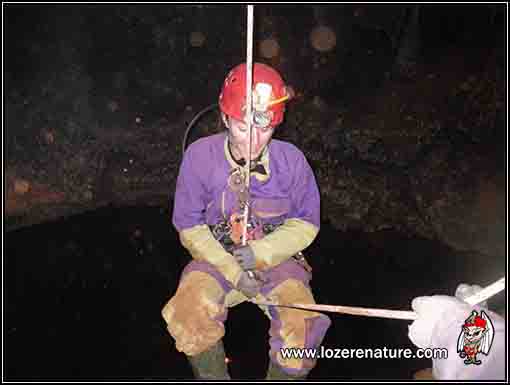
(377, 353)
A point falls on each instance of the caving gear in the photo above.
(245, 257)
(205, 197)
(196, 313)
(192, 123)
(229, 236)
(210, 364)
(284, 206)
(249, 286)
(269, 95)
(201, 244)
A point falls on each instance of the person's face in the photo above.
(240, 140)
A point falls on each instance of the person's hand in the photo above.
(245, 257)
(431, 310)
(249, 285)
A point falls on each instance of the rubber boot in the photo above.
(274, 373)
(210, 364)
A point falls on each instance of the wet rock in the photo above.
(370, 198)
(462, 200)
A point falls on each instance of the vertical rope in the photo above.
(249, 67)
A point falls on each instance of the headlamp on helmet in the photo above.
(269, 93)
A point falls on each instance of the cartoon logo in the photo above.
(476, 337)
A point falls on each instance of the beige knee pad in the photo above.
(190, 313)
(293, 326)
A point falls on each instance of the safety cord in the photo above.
(190, 125)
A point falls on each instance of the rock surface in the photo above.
(425, 156)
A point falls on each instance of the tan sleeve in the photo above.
(202, 245)
(287, 240)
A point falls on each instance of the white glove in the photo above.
(439, 324)
(431, 310)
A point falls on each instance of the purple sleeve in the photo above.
(305, 193)
(190, 192)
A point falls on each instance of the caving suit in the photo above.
(285, 214)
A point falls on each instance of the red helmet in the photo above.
(269, 93)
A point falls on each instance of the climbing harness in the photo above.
(226, 233)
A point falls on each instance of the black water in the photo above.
(82, 299)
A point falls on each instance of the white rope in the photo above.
(249, 66)
(487, 292)
(481, 296)
(363, 311)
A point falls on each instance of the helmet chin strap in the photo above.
(241, 161)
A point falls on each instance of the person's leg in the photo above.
(210, 364)
(292, 328)
(195, 316)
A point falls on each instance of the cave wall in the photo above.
(400, 109)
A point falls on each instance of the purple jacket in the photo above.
(203, 194)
